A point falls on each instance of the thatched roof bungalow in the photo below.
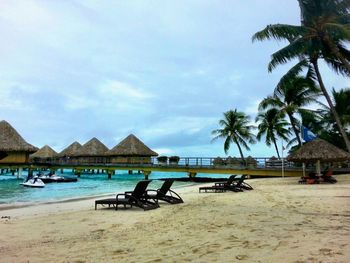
(131, 150)
(318, 150)
(13, 148)
(69, 153)
(45, 154)
(92, 152)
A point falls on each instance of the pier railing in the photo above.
(258, 162)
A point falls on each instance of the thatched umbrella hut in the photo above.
(44, 155)
(92, 152)
(131, 151)
(69, 154)
(13, 148)
(318, 151)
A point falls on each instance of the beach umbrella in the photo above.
(318, 151)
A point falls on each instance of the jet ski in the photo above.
(33, 182)
(56, 179)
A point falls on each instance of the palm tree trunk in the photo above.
(295, 129)
(331, 106)
(240, 151)
(335, 50)
(274, 142)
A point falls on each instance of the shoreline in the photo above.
(9, 206)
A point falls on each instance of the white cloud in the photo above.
(121, 90)
(164, 151)
(78, 102)
(178, 124)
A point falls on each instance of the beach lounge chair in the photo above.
(220, 187)
(235, 182)
(165, 193)
(241, 184)
(131, 198)
(137, 197)
(327, 176)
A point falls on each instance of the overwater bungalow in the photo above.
(13, 148)
(92, 152)
(131, 151)
(69, 154)
(44, 155)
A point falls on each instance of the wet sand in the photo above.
(279, 221)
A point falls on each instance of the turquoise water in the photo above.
(12, 192)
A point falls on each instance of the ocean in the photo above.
(88, 185)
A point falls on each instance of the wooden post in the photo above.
(77, 172)
(146, 174)
(192, 174)
(130, 171)
(109, 174)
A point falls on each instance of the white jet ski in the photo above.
(34, 182)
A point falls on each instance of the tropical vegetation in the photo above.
(272, 125)
(322, 36)
(235, 128)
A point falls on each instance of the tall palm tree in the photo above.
(342, 105)
(273, 126)
(291, 96)
(235, 128)
(309, 43)
(328, 20)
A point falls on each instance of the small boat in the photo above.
(34, 182)
(56, 179)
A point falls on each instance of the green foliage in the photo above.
(174, 159)
(235, 128)
(162, 159)
(272, 125)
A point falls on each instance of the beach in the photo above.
(279, 221)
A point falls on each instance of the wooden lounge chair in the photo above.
(109, 201)
(220, 187)
(165, 193)
(241, 184)
(327, 176)
(137, 197)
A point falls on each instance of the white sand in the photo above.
(279, 221)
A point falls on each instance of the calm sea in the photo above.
(12, 192)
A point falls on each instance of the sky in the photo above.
(163, 70)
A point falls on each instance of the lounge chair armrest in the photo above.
(220, 184)
(174, 193)
(151, 190)
(120, 195)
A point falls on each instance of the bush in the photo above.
(162, 159)
(174, 159)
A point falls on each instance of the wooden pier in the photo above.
(190, 166)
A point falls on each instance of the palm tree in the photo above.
(273, 126)
(324, 125)
(328, 20)
(341, 100)
(311, 41)
(291, 96)
(235, 128)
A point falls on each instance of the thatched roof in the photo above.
(11, 141)
(94, 147)
(44, 152)
(131, 146)
(318, 150)
(71, 150)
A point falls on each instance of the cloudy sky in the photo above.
(163, 70)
